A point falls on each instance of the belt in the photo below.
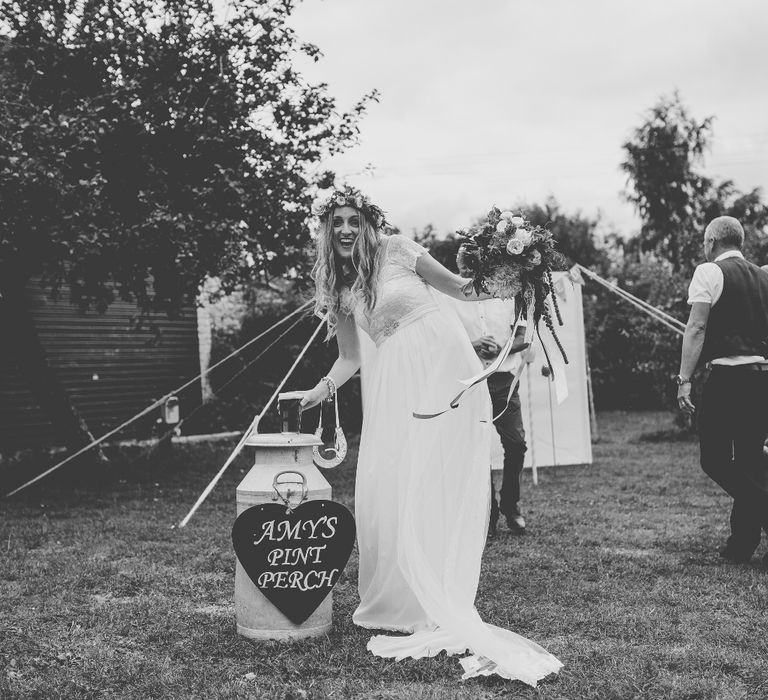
(751, 367)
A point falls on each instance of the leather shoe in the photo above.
(492, 523)
(516, 523)
(734, 557)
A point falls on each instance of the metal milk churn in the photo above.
(282, 463)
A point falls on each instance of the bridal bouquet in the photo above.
(509, 258)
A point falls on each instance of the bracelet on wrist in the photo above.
(331, 387)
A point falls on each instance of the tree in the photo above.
(750, 209)
(575, 233)
(663, 181)
(633, 356)
(673, 197)
(145, 145)
(441, 248)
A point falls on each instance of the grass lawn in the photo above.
(618, 576)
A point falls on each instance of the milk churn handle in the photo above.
(287, 498)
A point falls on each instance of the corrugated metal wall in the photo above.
(110, 370)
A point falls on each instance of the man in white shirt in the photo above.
(489, 325)
(728, 328)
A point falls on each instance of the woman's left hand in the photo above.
(313, 397)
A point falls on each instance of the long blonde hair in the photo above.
(329, 277)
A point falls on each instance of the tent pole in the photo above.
(534, 469)
(552, 421)
(591, 397)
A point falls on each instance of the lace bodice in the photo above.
(401, 295)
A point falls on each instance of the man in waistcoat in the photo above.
(728, 328)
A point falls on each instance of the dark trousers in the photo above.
(733, 424)
(509, 426)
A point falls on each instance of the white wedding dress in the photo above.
(422, 495)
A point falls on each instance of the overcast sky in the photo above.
(494, 101)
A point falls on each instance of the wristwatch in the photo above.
(680, 380)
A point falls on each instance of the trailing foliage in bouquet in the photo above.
(509, 258)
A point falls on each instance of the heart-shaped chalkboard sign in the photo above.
(294, 558)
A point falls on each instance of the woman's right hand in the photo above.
(314, 396)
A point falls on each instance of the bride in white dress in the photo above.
(422, 496)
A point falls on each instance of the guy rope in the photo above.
(251, 428)
(157, 403)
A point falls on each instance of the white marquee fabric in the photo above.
(557, 434)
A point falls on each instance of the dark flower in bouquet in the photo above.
(509, 258)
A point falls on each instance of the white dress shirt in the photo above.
(493, 317)
(707, 287)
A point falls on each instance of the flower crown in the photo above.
(350, 197)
